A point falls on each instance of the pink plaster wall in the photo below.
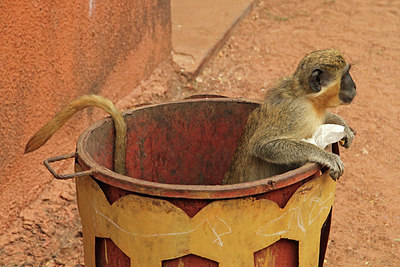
(54, 51)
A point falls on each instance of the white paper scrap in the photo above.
(326, 134)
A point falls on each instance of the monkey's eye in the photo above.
(318, 79)
(315, 80)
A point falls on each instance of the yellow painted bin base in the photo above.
(150, 230)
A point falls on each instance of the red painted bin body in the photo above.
(179, 152)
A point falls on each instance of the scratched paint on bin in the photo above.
(219, 232)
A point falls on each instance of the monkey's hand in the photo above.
(348, 137)
(335, 165)
(348, 131)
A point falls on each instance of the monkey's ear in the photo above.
(315, 80)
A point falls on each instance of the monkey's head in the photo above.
(324, 75)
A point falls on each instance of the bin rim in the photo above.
(187, 191)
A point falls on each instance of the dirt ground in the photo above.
(267, 45)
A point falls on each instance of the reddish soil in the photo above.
(267, 45)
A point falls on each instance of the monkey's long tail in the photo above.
(41, 137)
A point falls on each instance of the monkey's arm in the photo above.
(349, 132)
(285, 151)
(334, 119)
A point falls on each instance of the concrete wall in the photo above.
(50, 53)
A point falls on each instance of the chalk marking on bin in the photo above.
(310, 193)
(300, 219)
(218, 239)
(281, 232)
(312, 200)
(318, 201)
(144, 235)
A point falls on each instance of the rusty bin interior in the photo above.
(179, 149)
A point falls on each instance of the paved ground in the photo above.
(198, 36)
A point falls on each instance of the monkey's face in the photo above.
(331, 90)
(347, 87)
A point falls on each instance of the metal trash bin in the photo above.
(170, 209)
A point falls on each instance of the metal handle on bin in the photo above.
(65, 176)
